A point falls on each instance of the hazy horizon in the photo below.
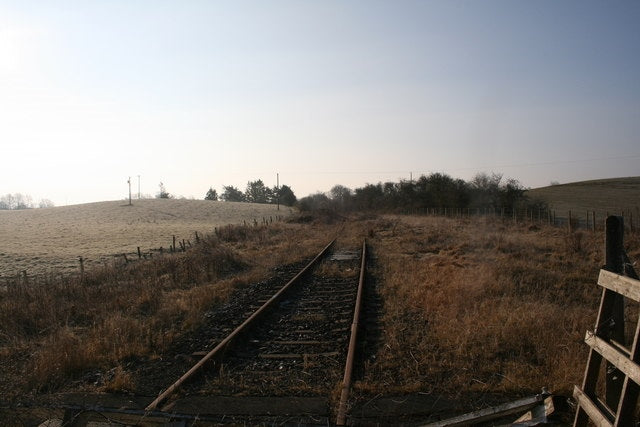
(203, 94)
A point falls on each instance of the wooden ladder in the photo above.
(606, 342)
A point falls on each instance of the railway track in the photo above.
(293, 342)
(280, 352)
(298, 340)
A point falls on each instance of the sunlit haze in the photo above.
(197, 94)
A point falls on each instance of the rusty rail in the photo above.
(172, 388)
(348, 370)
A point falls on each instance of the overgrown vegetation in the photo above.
(471, 306)
(435, 191)
(52, 334)
(483, 306)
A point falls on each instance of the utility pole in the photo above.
(278, 190)
(129, 182)
(138, 187)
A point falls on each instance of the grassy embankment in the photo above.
(613, 196)
(44, 240)
(469, 306)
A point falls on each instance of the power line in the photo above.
(512, 165)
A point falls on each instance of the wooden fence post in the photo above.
(81, 269)
(614, 262)
(569, 221)
(587, 224)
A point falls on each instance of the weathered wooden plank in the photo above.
(587, 405)
(613, 355)
(539, 413)
(491, 413)
(297, 355)
(301, 342)
(623, 285)
(630, 389)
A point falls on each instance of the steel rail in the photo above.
(348, 370)
(172, 388)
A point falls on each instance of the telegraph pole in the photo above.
(129, 182)
(138, 187)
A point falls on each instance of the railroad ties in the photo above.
(280, 351)
(286, 361)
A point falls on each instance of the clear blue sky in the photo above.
(206, 93)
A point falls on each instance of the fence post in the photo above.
(614, 262)
(569, 221)
(587, 224)
(81, 269)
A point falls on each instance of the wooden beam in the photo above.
(614, 262)
(297, 355)
(301, 342)
(626, 286)
(613, 355)
(592, 410)
(491, 413)
(630, 389)
(539, 413)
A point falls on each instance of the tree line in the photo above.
(17, 201)
(434, 191)
(255, 192)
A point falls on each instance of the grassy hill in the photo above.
(603, 196)
(37, 240)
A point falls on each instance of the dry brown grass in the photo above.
(51, 334)
(39, 240)
(613, 195)
(483, 306)
(468, 306)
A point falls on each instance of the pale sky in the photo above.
(211, 93)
